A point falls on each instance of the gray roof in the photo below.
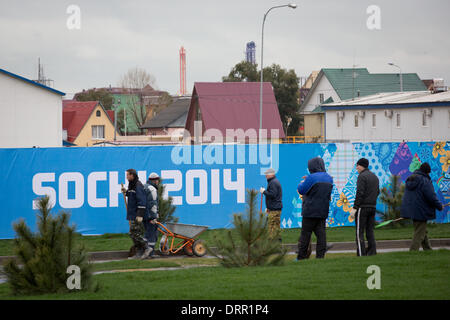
(394, 98)
(173, 116)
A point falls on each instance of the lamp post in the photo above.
(401, 76)
(292, 6)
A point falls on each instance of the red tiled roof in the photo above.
(75, 115)
(235, 105)
(111, 115)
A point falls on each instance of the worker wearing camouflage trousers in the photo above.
(137, 234)
(274, 222)
(274, 205)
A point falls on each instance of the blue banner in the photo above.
(208, 183)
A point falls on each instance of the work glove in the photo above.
(262, 189)
(124, 190)
(352, 213)
(140, 214)
(153, 221)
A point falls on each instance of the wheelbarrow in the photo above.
(185, 239)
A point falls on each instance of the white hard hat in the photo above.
(153, 176)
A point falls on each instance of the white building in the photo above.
(339, 84)
(394, 116)
(30, 113)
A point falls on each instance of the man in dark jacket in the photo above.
(151, 214)
(135, 212)
(364, 208)
(420, 204)
(316, 191)
(274, 205)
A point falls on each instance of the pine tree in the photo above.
(165, 207)
(392, 197)
(43, 256)
(249, 243)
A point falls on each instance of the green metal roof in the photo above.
(369, 83)
(318, 109)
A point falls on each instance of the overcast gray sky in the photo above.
(118, 35)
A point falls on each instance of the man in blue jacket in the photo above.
(420, 204)
(135, 212)
(151, 214)
(316, 192)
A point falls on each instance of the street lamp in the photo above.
(401, 76)
(292, 6)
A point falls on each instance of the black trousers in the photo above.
(310, 225)
(365, 223)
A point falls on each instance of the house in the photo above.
(131, 101)
(87, 122)
(392, 116)
(30, 113)
(232, 108)
(171, 119)
(305, 87)
(338, 84)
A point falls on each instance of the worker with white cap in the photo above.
(151, 228)
(274, 205)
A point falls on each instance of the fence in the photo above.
(207, 182)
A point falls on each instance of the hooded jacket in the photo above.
(273, 195)
(367, 190)
(316, 190)
(419, 201)
(151, 192)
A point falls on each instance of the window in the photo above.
(397, 120)
(321, 98)
(98, 132)
(199, 114)
(98, 113)
(374, 120)
(356, 121)
(338, 118)
(424, 118)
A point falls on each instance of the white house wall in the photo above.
(29, 115)
(323, 86)
(411, 128)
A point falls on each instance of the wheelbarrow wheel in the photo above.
(187, 249)
(199, 248)
(163, 250)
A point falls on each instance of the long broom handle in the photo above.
(260, 207)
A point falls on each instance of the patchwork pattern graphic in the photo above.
(385, 159)
(342, 164)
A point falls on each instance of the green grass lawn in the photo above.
(404, 275)
(121, 241)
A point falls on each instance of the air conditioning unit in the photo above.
(341, 114)
(389, 113)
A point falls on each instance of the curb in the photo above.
(291, 247)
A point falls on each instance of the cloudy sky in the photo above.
(118, 35)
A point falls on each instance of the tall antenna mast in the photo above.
(41, 76)
(182, 71)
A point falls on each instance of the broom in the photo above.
(133, 248)
(385, 223)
